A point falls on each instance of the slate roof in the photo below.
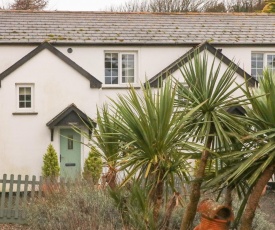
(136, 28)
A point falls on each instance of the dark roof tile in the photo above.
(136, 28)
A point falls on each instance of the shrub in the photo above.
(76, 206)
(50, 168)
(92, 167)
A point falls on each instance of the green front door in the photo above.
(70, 154)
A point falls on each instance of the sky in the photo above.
(83, 5)
(77, 5)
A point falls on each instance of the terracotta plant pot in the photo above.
(212, 224)
(214, 216)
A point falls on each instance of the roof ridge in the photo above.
(135, 13)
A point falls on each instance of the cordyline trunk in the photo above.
(157, 197)
(191, 209)
(109, 178)
(169, 210)
(254, 198)
(228, 196)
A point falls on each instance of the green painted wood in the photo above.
(70, 150)
(3, 195)
(10, 197)
(33, 187)
(12, 202)
(17, 197)
(40, 187)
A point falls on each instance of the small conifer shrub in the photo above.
(50, 168)
(92, 166)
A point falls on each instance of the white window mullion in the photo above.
(120, 68)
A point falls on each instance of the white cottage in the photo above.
(57, 66)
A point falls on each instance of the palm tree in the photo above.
(211, 125)
(151, 139)
(107, 144)
(257, 165)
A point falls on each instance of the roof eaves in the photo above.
(71, 108)
(162, 75)
(94, 83)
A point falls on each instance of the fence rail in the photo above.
(15, 194)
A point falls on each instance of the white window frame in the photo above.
(265, 54)
(120, 53)
(17, 87)
(265, 60)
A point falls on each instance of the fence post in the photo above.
(16, 215)
(3, 195)
(10, 198)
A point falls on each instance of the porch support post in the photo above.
(52, 129)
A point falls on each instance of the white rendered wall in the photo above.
(24, 138)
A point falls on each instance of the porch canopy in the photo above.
(73, 117)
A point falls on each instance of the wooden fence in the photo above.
(16, 193)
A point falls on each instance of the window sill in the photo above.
(25, 113)
(120, 87)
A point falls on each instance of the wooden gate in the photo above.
(16, 193)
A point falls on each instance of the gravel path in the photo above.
(267, 205)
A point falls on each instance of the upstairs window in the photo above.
(24, 97)
(260, 61)
(120, 68)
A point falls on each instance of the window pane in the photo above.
(28, 90)
(21, 97)
(128, 79)
(131, 79)
(111, 68)
(108, 80)
(257, 60)
(115, 64)
(115, 72)
(128, 68)
(131, 64)
(70, 142)
(21, 91)
(260, 64)
(253, 72)
(271, 61)
(28, 97)
(28, 104)
(115, 56)
(108, 57)
(21, 105)
(108, 65)
(115, 80)
(107, 72)
(259, 72)
(131, 72)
